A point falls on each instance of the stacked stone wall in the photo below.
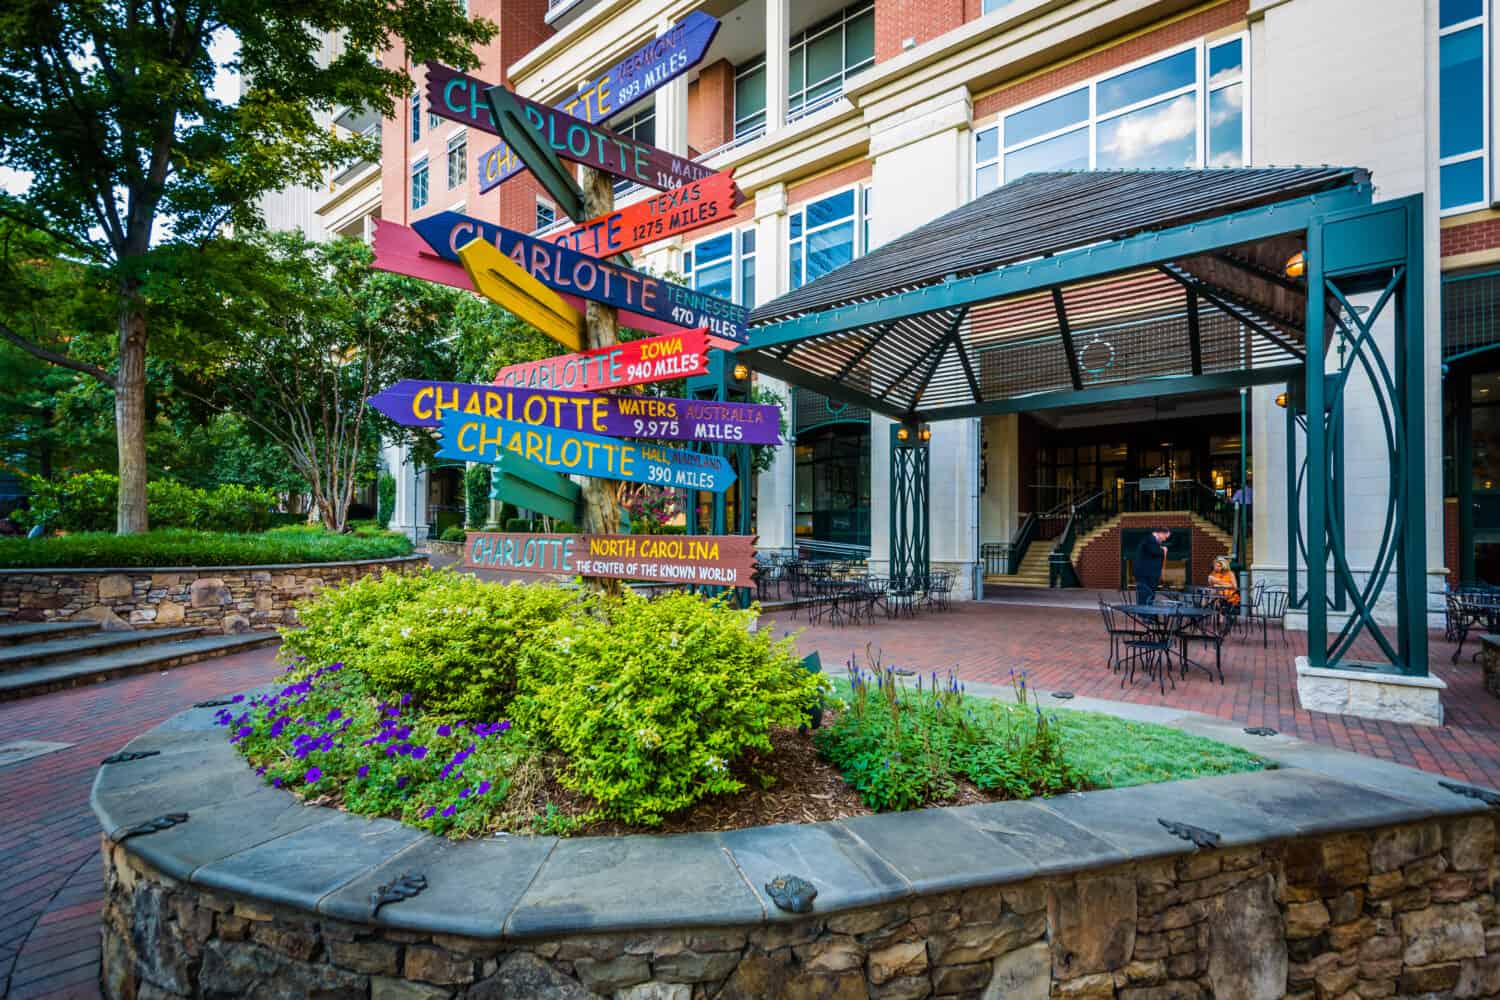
(222, 598)
(1401, 911)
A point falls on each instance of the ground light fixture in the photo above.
(741, 372)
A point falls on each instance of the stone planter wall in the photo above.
(224, 598)
(1403, 910)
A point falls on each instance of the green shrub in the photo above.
(653, 701)
(334, 622)
(456, 642)
(454, 534)
(385, 499)
(518, 524)
(180, 547)
(86, 502)
(476, 495)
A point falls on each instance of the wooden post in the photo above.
(601, 497)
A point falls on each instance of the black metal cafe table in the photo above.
(1163, 623)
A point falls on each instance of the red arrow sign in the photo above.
(680, 210)
(634, 362)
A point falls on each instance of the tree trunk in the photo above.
(601, 497)
(130, 420)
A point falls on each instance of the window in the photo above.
(416, 115)
(824, 235)
(642, 128)
(1183, 109)
(458, 159)
(1463, 104)
(819, 60)
(419, 184)
(546, 214)
(724, 265)
(990, 6)
(433, 121)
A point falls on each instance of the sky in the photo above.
(226, 87)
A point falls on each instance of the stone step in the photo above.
(98, 667)
(28, 632)
(72, 647)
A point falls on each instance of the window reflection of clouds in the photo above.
(1160, 135)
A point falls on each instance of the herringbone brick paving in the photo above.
(49, 841)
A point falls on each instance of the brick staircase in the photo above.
(37, 657)
(1200, 525)
(1033, 571)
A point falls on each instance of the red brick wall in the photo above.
(1483, 235)
(513, 204)
(711, 108)
(897, 20)
(1127, 51)
(1451, 541)
(1098, 563)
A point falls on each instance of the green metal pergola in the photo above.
(1066, 289)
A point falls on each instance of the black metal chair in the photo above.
(1273, 603)
(1154, 649)
(939, 588)
(1209, 631)
(1119, 634)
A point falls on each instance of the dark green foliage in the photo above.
(476, 495)
(179, 547)
(454, 534)
(86, 502)
(518, 524)
(385, 499)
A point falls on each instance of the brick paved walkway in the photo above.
(49, 840)
(1064, 649)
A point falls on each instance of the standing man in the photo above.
(1150, 557)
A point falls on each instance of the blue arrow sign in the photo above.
(566, 270)
(643, 72)
(471, 438)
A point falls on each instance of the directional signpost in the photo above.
(503, 281)
(469, 437)
(565, 270)
(717, 560)
(635, 362)
(670, 213)
(420, 403)
(540, 137)
(461, 98)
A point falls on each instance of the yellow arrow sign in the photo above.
(502, 280)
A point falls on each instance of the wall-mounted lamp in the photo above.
(741, 372)
(1296, 265)
(902, 434)
(1281, 400)
(925, 433)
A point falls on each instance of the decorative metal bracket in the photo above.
(404, 887)
(1260, 730)
(156, 825)
(126, 756)
(213, 703)
(1063, 695)
(1484, 795)
(793, 894)
(1199, 836)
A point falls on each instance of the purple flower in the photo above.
(465, 793)
(364, 771)
(429, 812)
(238, 698)
(276, 782)
(451, 810)
(405, 700)
(484, 786)
(417, 753)
(312, 775)
(260, 771)
(445, 730)
(401, 781)
(245, 731)
(333, 715)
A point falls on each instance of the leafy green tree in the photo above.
(135, 164)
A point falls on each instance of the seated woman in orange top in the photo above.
(1226, 587)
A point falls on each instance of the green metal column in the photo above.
(1317, 455)
(910, 508)
(1238, 562)
(1410, 373)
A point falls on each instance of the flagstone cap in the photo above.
(245, 837)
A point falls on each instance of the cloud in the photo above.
(1142, 137)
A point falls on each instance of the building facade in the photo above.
(847, 124)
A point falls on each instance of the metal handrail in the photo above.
(1081, 515)
(1020, 542)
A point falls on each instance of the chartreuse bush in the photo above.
(651, 701)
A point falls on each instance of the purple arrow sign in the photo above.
(417, 403)
(643, 72)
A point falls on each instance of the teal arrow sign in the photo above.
(468, 437)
